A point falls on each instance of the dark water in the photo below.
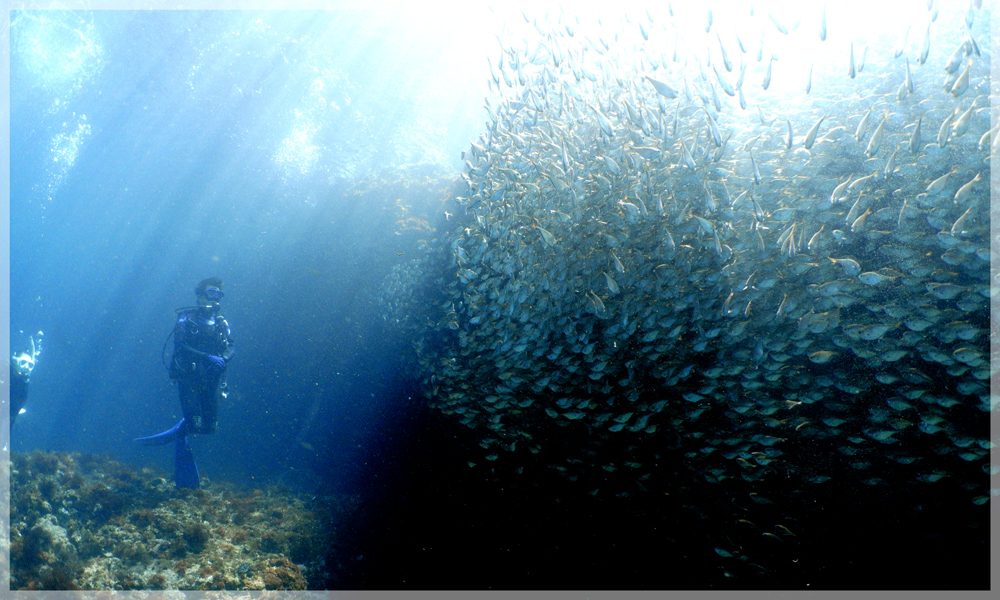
(152, 150)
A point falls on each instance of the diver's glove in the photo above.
(217, 362)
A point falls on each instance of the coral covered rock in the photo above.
(88, 522)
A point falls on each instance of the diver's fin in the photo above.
(162, 439)
(186, 471)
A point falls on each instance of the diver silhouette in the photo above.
(202, 350)
(21, 366)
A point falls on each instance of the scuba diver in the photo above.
(21, 366)
(202, 349)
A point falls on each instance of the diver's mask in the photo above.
(210, 298)
(23, 363)
(214, 294)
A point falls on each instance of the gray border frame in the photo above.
(457, 8)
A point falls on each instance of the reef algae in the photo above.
(89, 522)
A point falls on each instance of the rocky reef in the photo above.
(89, 522)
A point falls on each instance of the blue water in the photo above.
(153, 149)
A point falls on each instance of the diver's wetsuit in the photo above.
(18, 389)
(200, 334)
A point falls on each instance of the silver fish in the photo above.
(662, 88)
(811, 134)
(945, 131)
(756, 172)
(850, 71)
(915, 136)
(876, 140)
(955, 60)
(863, 126)
(901, 46)
(964, 191)
(725, 57)
(962, 83)
(925, 47)
(962, 124)
(938, 184)
(890, 165)
(839, 190)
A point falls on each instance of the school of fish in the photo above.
(652, 244)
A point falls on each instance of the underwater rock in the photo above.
(88, 522)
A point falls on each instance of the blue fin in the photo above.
(162, 439)
(186, 471)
